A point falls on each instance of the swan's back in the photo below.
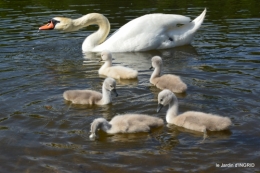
(119, 72)
(199, 120)
(155, 22)
(169, 81)
(82, 96)
(141, 32)
(133, 123)
(152, 31)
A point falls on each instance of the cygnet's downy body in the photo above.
(128, 123)
(117, 72)
(197, 121)
(92, 97)
(166, 81)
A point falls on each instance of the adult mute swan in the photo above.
(117, 72)
(92, 97)
(148, 32)
(128, 123)
(197, 121)
(166, 81)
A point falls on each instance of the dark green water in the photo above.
(40, 132)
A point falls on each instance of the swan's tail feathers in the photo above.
(180, 88)
(184, 34)
(193, 27)
(199, 20)
(65, 95)
(128, 73)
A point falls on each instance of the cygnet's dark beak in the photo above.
(114, 90)
(151, 68)
(160, 106)
(100, 60)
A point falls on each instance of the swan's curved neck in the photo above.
(106, 95)
(100, 123)
(106, 126)
(173, 109)
(97, 37)
(157, 72)
(108, 63)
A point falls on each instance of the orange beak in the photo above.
(48, 26)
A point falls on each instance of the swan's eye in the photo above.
(48, 23)
(111, 86)
(54, 21)
(161, 100)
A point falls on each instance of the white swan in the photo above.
(128, 123)
(148, 32)
(92, 97)
(117, 72)
(167, 81)
(197, 121)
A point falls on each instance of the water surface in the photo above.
(40, 132)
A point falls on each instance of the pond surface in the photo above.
(40, 132)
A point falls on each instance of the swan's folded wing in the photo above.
(146, 32)
(171, 82)
(82, 96)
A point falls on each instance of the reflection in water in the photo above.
(212, 135)
(137, 57)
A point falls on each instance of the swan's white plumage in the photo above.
(128, 123)
(92, 97)
(166, 81)
(197, 121)
(148, 32)
(117, 72)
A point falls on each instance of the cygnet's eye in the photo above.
(111, 86)
(161, 100)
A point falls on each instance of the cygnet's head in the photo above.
(156, 61)
(106, 55)
(110, 85)
(95, 125)
(93, 136)
(58, 23)
(164, 98)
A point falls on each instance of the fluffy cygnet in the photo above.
(117, 72)
(92, 97)
(128, 123)
(167, 81)
(197, 121)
